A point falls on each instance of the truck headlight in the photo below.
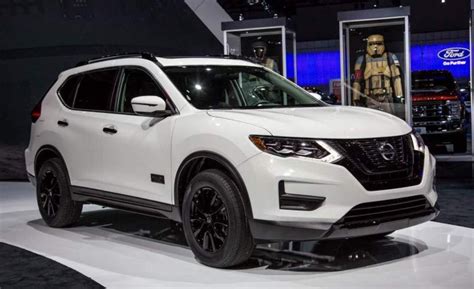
(296, 147)
(418, 143)
(455, 109)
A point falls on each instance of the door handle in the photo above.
(63, 123)
(109, 129)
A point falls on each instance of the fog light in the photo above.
(298, 202)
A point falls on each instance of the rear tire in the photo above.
(54, 196)
(214, 220)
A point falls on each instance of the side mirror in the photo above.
(150, 105)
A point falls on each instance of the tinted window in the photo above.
(137, 83)
(433, 81)
(95, 90)
(211, 87)
(68, 90)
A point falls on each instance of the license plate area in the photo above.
(420, 129)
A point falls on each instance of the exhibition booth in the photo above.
(341, 160)
(443, 117)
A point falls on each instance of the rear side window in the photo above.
(95, 91)
(68, 90)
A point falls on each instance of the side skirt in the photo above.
(124, 202)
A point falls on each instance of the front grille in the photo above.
(435, 116)
(373, 213)
(430, 111)
(365, 159)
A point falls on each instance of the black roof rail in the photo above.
(239, 57)
(144, 55)
(225, 56)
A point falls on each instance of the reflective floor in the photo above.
(120, 249)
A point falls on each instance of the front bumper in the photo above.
(277, 231)
(339, 188)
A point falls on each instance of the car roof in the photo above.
(119, 60)
(193, 61)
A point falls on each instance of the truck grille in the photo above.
(436, 116)
(382, 163)
(373, 213)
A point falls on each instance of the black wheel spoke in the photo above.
(221, 224)
(213, 200)
(219, 209)
(205, 244)
(211, 238)
(53, 212)
(56, 199)
(49, 208)
(209, 220)
(44, 200)
(198, 231)
(54, 186)
(50, 194)
(220, 238)
(196, 207)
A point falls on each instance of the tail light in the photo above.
(36, 112)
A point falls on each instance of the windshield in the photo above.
(433, 82)
(227, 87)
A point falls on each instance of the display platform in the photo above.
(120, 249)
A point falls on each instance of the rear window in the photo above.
(95, 90)
(68, 90)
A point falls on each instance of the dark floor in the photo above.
(20, 268)
(455, 185)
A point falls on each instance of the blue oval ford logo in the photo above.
(453, 53)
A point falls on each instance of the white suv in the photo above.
(234, 151)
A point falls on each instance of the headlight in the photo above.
(455, 109)
(417, 141)
(294, 147)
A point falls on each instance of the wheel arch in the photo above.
(45, 153)
(201, 160)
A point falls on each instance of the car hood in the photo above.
(331, 122)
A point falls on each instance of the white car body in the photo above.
(122, 163)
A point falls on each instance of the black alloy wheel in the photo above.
(214, 220)
(209, 219)
(54, 196)
(50, 194)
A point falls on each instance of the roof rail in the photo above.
(240, 57)
(144, 55)
(226, 56)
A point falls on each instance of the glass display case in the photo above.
(270, 42)
(375, 60)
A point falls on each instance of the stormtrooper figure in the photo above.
(260, 51)
(377, 77)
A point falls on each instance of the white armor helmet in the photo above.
(375, 45)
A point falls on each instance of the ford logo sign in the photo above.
(454, 53)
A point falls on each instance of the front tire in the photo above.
(214, 220)
(54, 197)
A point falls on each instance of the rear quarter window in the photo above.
(67, 91)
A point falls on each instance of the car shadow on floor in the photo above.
(333, 255)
